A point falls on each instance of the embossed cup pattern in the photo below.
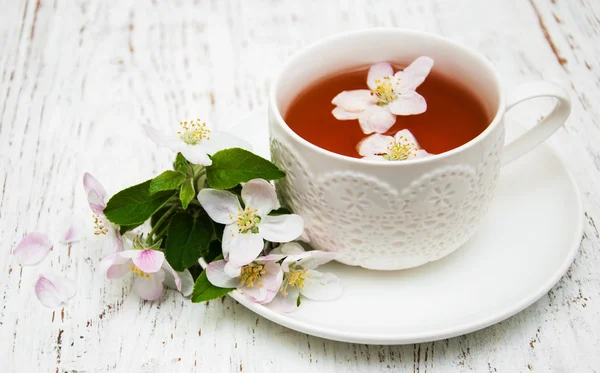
(376, 225)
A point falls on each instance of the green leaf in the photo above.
(281, 211)
(135, 204)
(168, 180)
(180, 163)
(214, 251)
(126, 228)
(187, 193)
(233, 166)
(157, 215)
(188, 239)
(205, 291)
(219, 228)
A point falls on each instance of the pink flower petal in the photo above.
(53, 290)
(342, 114)
(414, 74)
(376, 119)
(32, 249)
(220, 205)
(215, 272)
(354, 101)
(271, 282)
(72, 229)
(378, 72)
(95, 192)
(410, 103)
(149, 261)
(115, 265)
(149, 288)
(259, 194)
(374, 144)
(281, 228)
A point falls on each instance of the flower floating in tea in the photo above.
(400, 147)
(388, 95)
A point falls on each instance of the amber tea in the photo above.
(453, 115)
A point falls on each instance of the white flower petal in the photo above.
(187, 283)
(270, 281)
(32, 249)
(95, 192)
(281, 228)
(405, 135)
(149, 288)
(422, 154)
(377, 72)
(222, 206)
(374, 144)
(290, 248)
(414, 74)
(244, 248)
(260, 194)
(315, 259)
(53, 290)
(285, 303)
(220, 140)
(172, 278)
(376, 119)
(342, 114)
(215, 272)
(196, 154)
(230, 233)
(409, 103)
(354, 101)
(160, 138)
(322, 286)
(231, 270)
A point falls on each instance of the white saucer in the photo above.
(526, 243)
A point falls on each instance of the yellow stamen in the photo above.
(293, 278)
(400, 150)
(384, 92)
(99, 227)
(138, 272)
(251, 275)
(194, 131)
(248, 220)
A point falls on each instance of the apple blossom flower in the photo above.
(32, 249)
(149, 267)
(388, 95)
(53, 290)
(247, 227)
(196, 141)
(400, 147)
(259, 280)
(301, 278)
(96, 196)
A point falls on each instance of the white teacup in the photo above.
(395, 215)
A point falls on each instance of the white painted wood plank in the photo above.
(77, 79)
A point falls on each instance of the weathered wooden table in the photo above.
(77, 79)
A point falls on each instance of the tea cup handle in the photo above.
(546, 127)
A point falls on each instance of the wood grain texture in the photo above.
(78, 78)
